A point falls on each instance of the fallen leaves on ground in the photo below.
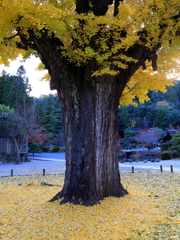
(150, 211)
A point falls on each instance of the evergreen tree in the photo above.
(14, 88)
(34, 148)
(124, 119)
(158, 121)
(50, 115)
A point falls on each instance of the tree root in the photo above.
(48, 184)
(85, 200)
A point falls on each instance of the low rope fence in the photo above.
(133, 170)
(161, 169)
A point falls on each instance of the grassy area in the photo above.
(150, 211)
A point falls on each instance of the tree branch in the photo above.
(83, 6)
(100, 7)
(9, 38)
(116, 6)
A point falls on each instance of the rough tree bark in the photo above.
(90, 113)
(89, 108)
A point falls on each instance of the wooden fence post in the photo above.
(171, 168)
(132, 169)
(44, 173)
(11, 172)
(161, 168)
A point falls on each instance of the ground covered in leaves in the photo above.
(150, 211)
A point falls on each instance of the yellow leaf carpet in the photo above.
(151, 210)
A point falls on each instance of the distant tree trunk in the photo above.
(18, 150)
(90, 118)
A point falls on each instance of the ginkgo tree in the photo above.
(96, 52)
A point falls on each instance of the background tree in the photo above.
(50, 118)
(12, 127)
(147, 115)
(4, 110)
(149, 136)
(176, 142)
(158, 121)
(124, 118)
(18, 125)
(14, 88)
(95, 53)
(161, 104)
(34, 148)
(37, 135)
(128, 139)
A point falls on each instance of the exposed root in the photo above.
(58, 196)
(51, 185)
(76, 200)
(85, 200)
(123, 191)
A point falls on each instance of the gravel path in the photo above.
(54, 163)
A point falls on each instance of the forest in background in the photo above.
(161, 111)
(39, 118)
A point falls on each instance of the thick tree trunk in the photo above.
(90, 110)
(89, 107)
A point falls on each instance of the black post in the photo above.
(171, 168)
(11, 172)
(44, 172)
(161, 168)
(132, 169)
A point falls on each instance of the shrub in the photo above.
(164, 147)
(34, 148)
(165, 156)
(62, 149)
(149, 146)
(176, 143)
(174, 153)
(45, 149)
(56, 149)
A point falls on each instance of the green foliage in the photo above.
(164, 147)
(147, 115)
(128, 139)
(124, 118)
(14, 91)
(165, 155)
(159, 118)
(49, 112)
(56, 149)
(45, 149)
(128, 133)
(34, 148)
(14, 88)
(5, 109)
(176, 142)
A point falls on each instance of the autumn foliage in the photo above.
(152, 24)
(150, 211)
(36, 137)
